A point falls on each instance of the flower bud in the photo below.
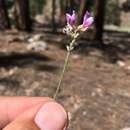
(71, 19)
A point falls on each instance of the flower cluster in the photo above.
(71, 28)
(74, 31)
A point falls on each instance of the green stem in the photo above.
(62, 74)
(69, 49)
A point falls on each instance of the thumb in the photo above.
(49, 116)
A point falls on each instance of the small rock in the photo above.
(127, 128)
(76, 106)
(84, 113)
(37, 46)
(12, 71)
(121, 63)
(30, 40)
(128, 68)
(36, 37)
(93, 94)
(122, 46)
(96, 53)
(99, 92)
(76, 56)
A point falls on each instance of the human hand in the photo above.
(31, 113)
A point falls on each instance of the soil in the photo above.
(96, 86)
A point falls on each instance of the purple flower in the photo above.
(71, 19)
(88, 20)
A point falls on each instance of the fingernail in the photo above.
(51, 116)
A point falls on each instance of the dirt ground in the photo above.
(96, 87)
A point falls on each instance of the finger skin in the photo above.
(22, 125)
(12, 107)
(25, 121)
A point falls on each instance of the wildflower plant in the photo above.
(73, 30)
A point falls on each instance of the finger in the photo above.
(48, 116)
(11, 107)
(22, 125)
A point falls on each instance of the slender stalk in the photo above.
(62, 74)
(69, 49)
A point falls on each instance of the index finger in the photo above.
(11, 107)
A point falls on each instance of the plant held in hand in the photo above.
(73, 30)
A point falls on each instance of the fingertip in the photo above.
(51, 116)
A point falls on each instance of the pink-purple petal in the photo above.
(74, 15)
(86, 16)
(71, 19)
(88, 22)
(68, 18)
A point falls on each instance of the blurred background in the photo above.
(96, 86)
(27, 15)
